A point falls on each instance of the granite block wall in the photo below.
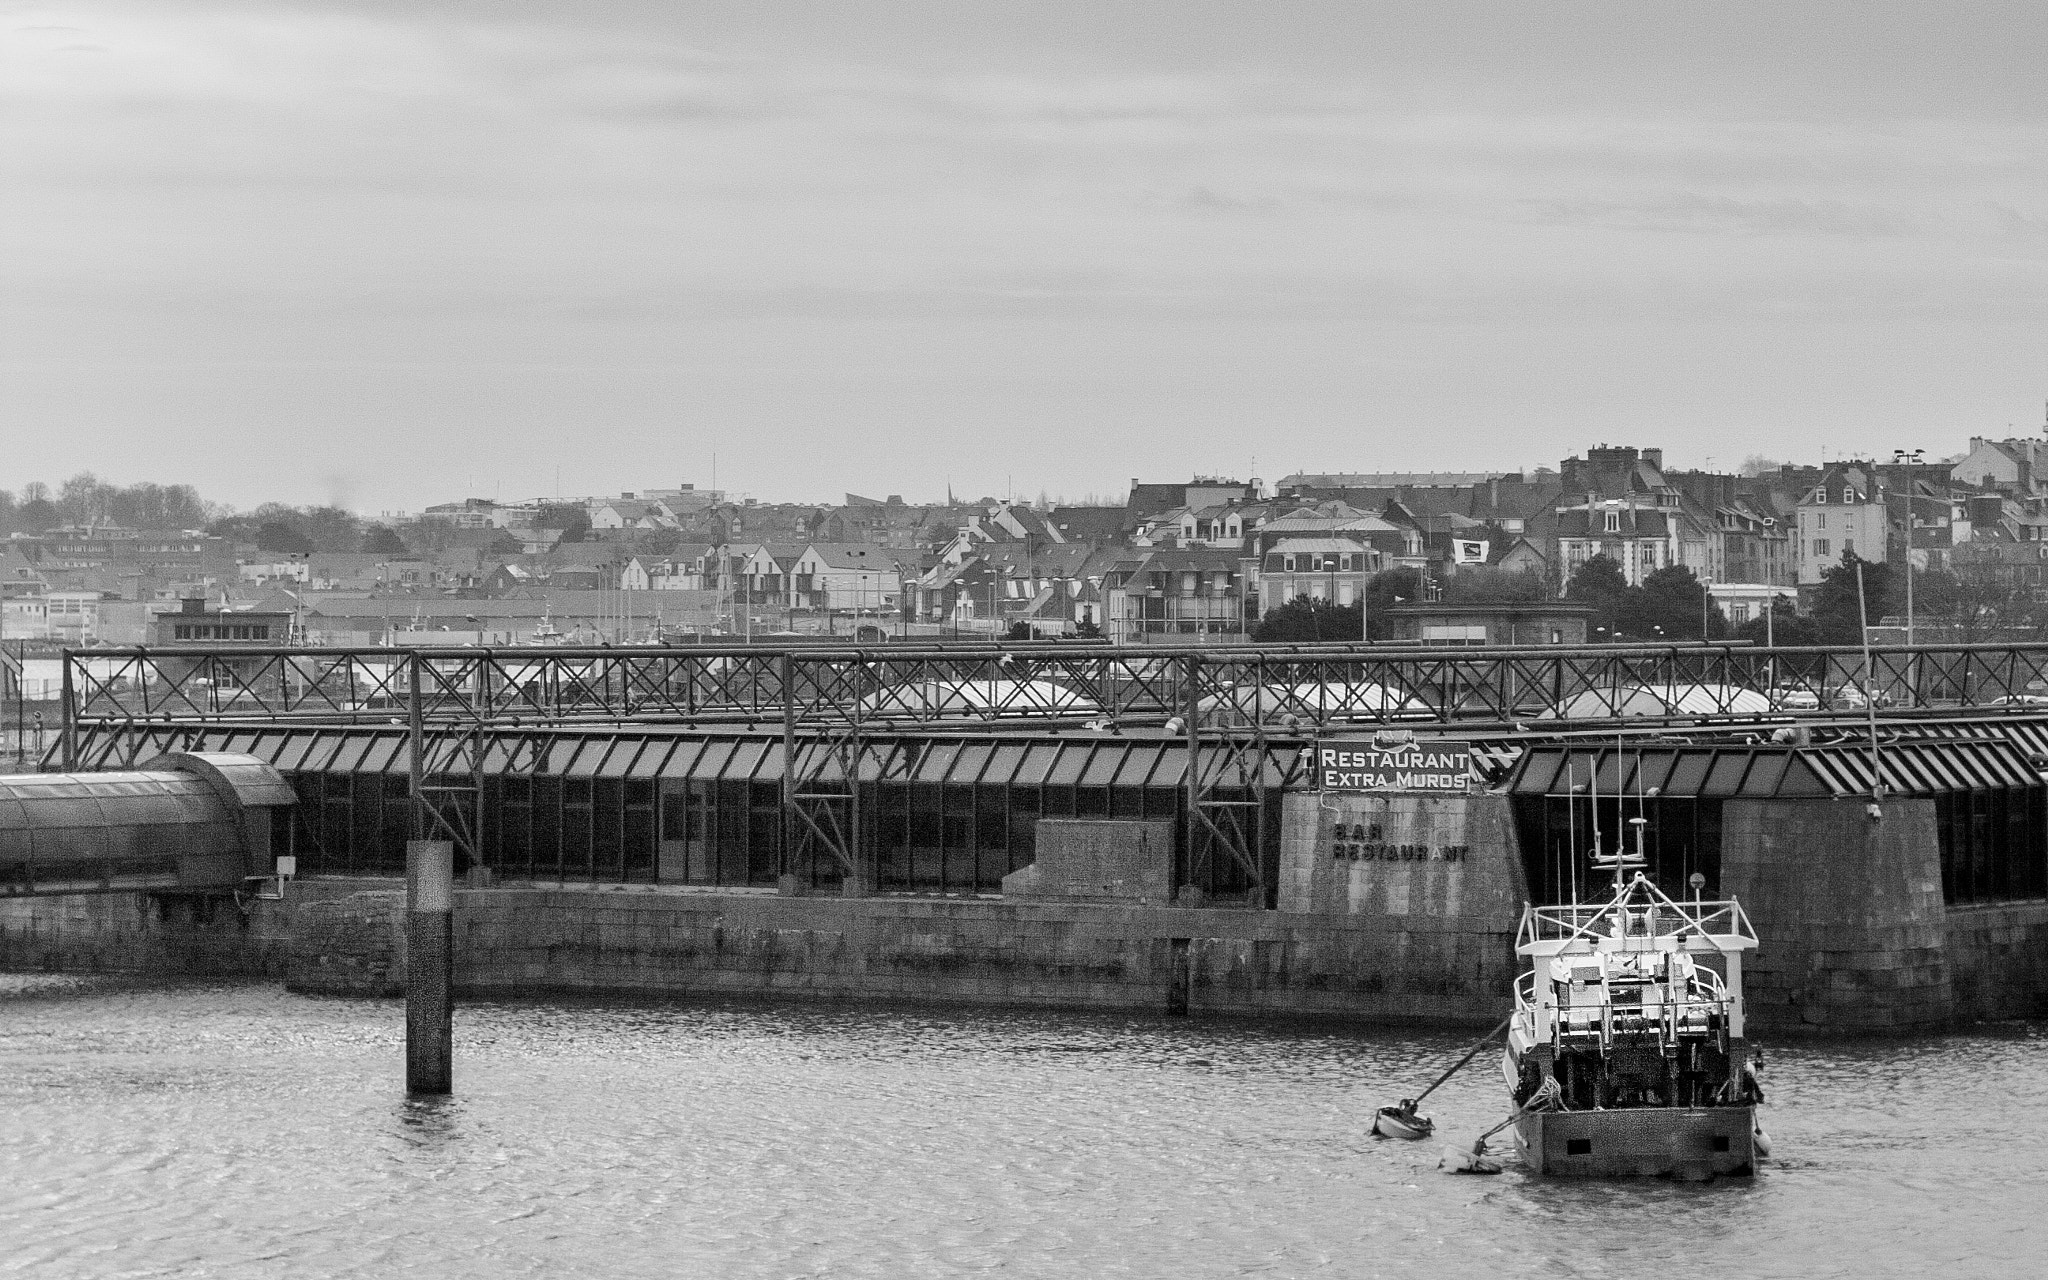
(1998, 960)
(1853, 931)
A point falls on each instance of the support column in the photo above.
(68, 712)
(429, 965)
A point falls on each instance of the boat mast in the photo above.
(1571, 826)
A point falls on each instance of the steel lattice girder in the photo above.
(1295, 687)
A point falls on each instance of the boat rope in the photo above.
(1470, 1054)
(1548, 1097)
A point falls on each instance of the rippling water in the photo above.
(233, 1130)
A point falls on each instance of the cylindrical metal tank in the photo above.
(189, 821)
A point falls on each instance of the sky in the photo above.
(385, 253)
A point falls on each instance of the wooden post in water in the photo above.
(429, 928)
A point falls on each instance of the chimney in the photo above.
(1493, 493)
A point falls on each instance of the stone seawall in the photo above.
(1998, 960)
(1848, 912)
(200, 935)
(1075, 955)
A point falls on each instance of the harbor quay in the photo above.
(1043, 868)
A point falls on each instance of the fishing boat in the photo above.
(1626, 1052)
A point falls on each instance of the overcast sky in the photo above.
(394, 253)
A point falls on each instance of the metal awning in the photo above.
(1774, 772)
(1088, 760)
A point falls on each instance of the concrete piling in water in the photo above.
(429, 966)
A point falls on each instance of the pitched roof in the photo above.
(860, 555)
(1640, 522)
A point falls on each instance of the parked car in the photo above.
(1851, 698)
(1795, 698)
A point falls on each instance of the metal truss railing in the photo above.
(1227, 701)
(1298, 687)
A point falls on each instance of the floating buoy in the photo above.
(1474, 1161)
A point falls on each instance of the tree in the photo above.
(1385, 590)
(1834, 601)
(1784, 626)
(280, 538)
(1668, 607)
(1599, 583)
(1490, 584)
(430, 534)
(1306, 620)
(574, 522)
(37, 515)
(332, 528)
(379, 540)
(82, 499)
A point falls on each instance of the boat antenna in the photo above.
(1593, 800)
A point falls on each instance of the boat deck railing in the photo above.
(1696, 1014)
(1640, 917)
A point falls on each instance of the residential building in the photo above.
(1641, 540)
(1334, 570)
(2017, 466)
(1398, 544)
(837, 577)
(1054, 587)
(1618, 502)
(1845, 512)
(765, 574)
(1176, 592)
(1148, 501)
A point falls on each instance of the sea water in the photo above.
(228, 1130)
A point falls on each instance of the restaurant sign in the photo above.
(1431, 768)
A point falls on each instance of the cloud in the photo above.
(530, 204)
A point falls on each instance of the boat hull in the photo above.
(1389, 1123)
(1649, 1142)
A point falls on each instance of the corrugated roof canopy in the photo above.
(1041, 759)
(1913, 768)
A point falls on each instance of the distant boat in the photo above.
(545, 632)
